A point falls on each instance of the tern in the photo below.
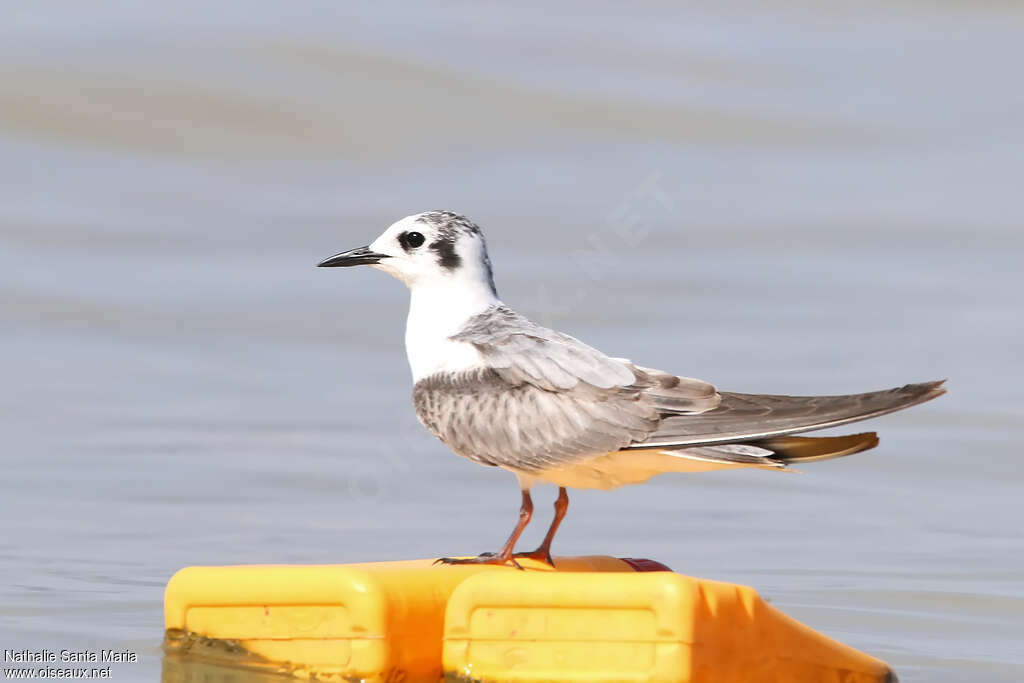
(505, 392)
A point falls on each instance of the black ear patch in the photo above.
(447, 257)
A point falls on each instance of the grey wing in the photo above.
(483, 416)
(520, 350)
(674, 395)
(553, 400)
(752, 417)
(546, 399)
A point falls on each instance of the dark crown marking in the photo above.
(449, 226)
(449, 223)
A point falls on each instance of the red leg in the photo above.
(506, 554)
(543, 552)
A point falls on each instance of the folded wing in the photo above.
(545, 401)
(755, 417)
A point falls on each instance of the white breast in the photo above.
(435, 314)
(428, 356)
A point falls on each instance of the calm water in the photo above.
(767, 196)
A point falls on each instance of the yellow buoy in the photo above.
(594, 618)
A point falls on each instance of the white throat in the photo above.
(437, 311)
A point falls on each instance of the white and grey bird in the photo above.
(504, 391)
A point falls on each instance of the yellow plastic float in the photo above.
(595, 618)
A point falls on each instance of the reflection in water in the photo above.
(188, 670)
(189, 658)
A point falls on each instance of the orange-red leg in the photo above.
(543, 552)
(507, 553)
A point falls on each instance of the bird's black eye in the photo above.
(411, 240)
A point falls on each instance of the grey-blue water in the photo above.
(776, 197)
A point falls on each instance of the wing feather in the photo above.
(672, 394)
(481, 415)
(545, 400)
(523, 351)
(750, 417)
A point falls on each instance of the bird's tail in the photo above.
(796, 449)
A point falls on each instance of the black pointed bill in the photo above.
(361, 256)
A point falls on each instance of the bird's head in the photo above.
(429, 249)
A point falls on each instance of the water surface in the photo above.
(772, 197)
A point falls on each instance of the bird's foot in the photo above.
(541, 554)
(499, 559)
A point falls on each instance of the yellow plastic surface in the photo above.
(646, 627)
(592, 619)
(376, 621)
